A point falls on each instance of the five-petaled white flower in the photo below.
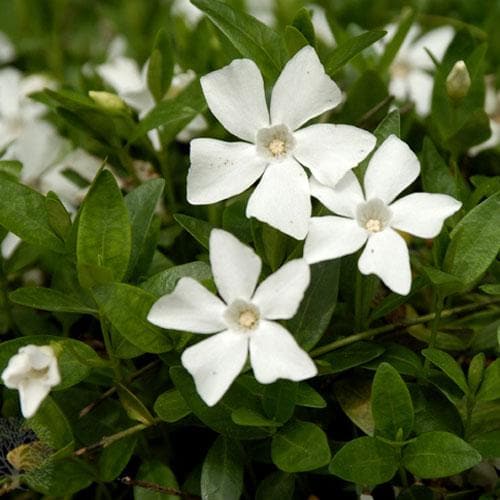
(373, 217)
(244, 317)
(33, 371)
(274, 148)
(410, 71)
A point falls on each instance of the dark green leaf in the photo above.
(198, 229)
(488, 444)
(277, 485)
(171, 406)
(114, 458)
(133, 406)
(303, 23)
(448, 365)
(59, 218)
(490, 387)
(350, 356)
(251, 418)
(279, 400)
(155, 472)
(294, 39)
(161, 66)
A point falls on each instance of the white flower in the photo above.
(410, 71)
(33, 371)
(374, 217)
(7, 50)
(244, 317)
(274, 148)
(492, 108)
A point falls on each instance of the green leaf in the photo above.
(391, 403)
(392, 48)
(164, 282)
(58, 216)
(173, 114)
(294, 39)
(476, 371)
(345, 51)
(279, 400)
(488, 444)
(350, 356)
(302, 22)
(11, 169)
(299, 447)
(161, 66)
(448, 365)
(218, 417)
(474, 242)
(318, 304)
(400, 357)
(75, 359)
(134, 407)
(222, 472)
(141, 204)
(126, 307)
(439, 454)
(24, 212)
(48, 299)
(244, 416)
(365, 460)
(309, 397)
(156, 472)
(198, 229)
(250, 37)
(446, 283)
(114, 458)
(171, 406)
(491, 289)
(490, 387)
(276, 485)
(104, 238)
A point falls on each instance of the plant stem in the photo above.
(115, 362)
(438, 307)
(373, 332)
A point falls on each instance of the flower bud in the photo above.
(108, 101)
(458, 81)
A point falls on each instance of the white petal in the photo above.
(303, 90)
(10, 81)
(32, 392)
(141, 100)
(9, 245)
(436, 42)
(493, 141)
(386, 255)
(392, 168)
(331, 237)
(122, 74)
(190, 307)
(280, 294)
(282, 199)
(420, 86)
(423, 214)
(329, 151)
(221, 169)
(16, 370)
(215, 362)
(235, 95)
(235, 266)
(7, 50)
(274, 354)
(341, 199)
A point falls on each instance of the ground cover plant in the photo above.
(249, 249)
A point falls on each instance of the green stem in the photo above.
(373, 332)
(115, 362)
(438, 307)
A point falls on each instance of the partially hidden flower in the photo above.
(371, 216)
(243, 319)
(410, 72)
(274, 148)
(33, 371)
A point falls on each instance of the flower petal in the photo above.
(221, 169)
(215, 362)
(32, 392)
(420, 86)
(423, 214)
(235, 96)
(280, 294)
(282, 199)
(123, 74)
(235, 266)
(341, 199)
(436, 42)
(10, 82)
(303, 90)
(329, 151)
(492, 142)
(274, 354)
(331, 237)
(386, 255)
(190, 307)
(392, 168)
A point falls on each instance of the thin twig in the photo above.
(127, 480)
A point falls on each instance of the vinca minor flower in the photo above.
(374, 217)
(274, 148)
(33, 371)
(244, 320)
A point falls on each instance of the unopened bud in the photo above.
(458, 81)
(108, 101)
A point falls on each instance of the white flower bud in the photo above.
(108, 101)
(458, 81)
(33, 371)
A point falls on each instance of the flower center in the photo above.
(374, 215)
(400, 69)
(241, 315)
(275, 143)
(37, 373)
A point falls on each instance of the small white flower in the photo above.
(244, 317)
(274, 148)
(374, 217)
(7, 50)
(410, 71)
(492, 108)
(33, 371)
